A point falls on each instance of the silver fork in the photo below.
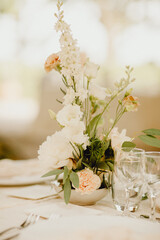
(31, 219)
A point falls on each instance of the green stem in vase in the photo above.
(153, 206)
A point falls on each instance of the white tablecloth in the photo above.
(100, 221)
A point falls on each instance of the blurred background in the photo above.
(113, 33)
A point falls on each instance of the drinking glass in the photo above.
(119, 195)
(152, 177)
(128, 175)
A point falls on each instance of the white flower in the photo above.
(69, 54)
(91, 70)
(70, 96)
(117, 139)
(68, 114)
(75, 133)
(81, 93)
(62, 26)
(56, 151)
(97, 91)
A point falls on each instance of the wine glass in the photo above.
(128, 171)
(152, 177)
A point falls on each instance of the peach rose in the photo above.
(88, 181)
(131, 103)
(52, 62)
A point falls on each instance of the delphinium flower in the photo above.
(69, 55)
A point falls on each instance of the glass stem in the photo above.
(126, 210)
(153, 204)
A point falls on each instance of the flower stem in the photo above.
(126, 210)
(153, 203)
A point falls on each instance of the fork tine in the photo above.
(37, 218)
(27, 222)
(32, 218)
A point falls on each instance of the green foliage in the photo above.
(128, 145)
(67, 190)
(88, 166)
(66, 174)
(110, 165)
(76, 148)
(103, 165)
(54, 172)
(152, 131)
(109, 153)
(94, 152)
(91, 126)
(99, 155)
(150, 140)
(63, 91)
(94, 105)
(150, 137)
(79, 165)
(74, 179)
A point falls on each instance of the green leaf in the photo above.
(79, 164)
(53, 172)
(128, 145)
(152, 131)
(103, 165)
(59, 101)
(66, 173)
(63, 91)
(105, 145)
(154, 142)
(86, 165)
(67, 190)
(110, 165)
(74, 179)
(74, 149)
(75, 157)
(81, 151)
(92, 124)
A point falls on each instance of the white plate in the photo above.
(24, 181)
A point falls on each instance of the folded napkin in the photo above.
(11, 168)
(36, 192)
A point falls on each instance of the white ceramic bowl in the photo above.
(83, 199)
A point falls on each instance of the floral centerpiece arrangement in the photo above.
(83, 149)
